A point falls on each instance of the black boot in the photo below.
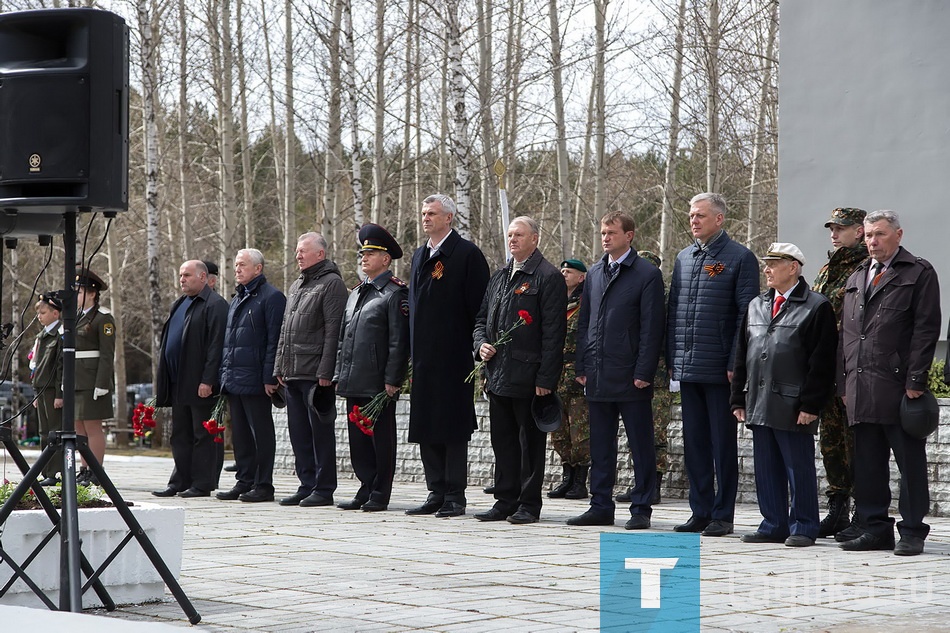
(567, 480)
(579, 484)
(839, 507)
(656, 491)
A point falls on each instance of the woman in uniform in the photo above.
(46, 363)
(95, 353)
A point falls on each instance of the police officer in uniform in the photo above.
(372, 357)
(95, 374)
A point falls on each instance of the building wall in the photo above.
(863, 104)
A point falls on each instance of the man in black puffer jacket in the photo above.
(247, 376)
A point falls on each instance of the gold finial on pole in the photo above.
(499, 169)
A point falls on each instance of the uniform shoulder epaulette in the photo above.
(399, 282)
(104, 310)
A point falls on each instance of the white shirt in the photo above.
(433, 249)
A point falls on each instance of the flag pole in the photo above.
(499, 169)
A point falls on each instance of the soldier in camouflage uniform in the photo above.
(572, 440)
(836, 439)
(662, 409)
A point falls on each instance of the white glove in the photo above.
(674, 386)
(98, 392)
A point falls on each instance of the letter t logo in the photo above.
(650, 578)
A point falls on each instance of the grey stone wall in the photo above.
(481, 460)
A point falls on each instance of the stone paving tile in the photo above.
(265, 568)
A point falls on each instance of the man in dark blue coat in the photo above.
(449, 276)
(619, 339)
(188, 367)
(247, 376)
(714, 279)
(527, 366)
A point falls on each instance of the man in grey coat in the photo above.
(306, 355)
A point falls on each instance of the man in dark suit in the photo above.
(449, 276)
(619, 338)
(528, 366)
(188, 366)
(890, 324)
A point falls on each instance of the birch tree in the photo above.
(563, 181)
(712, 97)
(349, 82)
(753, 229)
(672, 145)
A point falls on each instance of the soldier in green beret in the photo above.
(836, 440)
(572, 440)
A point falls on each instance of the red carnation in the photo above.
(525, 316)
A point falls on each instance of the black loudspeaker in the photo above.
(64, 111)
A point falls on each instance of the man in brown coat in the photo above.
(889, 329)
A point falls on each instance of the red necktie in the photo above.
(877, 278)
(779, 300)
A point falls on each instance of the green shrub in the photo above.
(935, 380)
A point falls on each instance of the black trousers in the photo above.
(50, 419)
(711, 453)
(873, 444)
(520, 449)
(252, 433)
(193, 448)
(446, 469)
(637, 418)
(374, 456)
(313, 440)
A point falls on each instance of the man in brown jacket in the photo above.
(889, 329)
(306, 356)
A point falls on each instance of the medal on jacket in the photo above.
(522, 288)
(438, 271)
(714, 269)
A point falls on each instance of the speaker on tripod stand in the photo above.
(64, 149)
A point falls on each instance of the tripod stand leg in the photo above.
(156, 559)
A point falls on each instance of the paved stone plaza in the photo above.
(263, 567)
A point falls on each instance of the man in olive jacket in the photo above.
(188, 367)
(890, 324)
(306, 355)
(528, 366)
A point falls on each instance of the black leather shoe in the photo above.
(233, 493)
(352, 504)
(718, 528)
(867, 542)
(231, 469)
(850, 533)
(492, 514)
(799, 540)
(294, 499)
(450, 509)
(522, 517)
(194, 492)
(315, 500)
(49, 481)
(637, 522)
(257, 495)
(909, 546)
(760, 537)
(624, 497)
(695, 524)
(374, 506)
(431, 506)
(592, 518)
(489, 490)
(167, 492)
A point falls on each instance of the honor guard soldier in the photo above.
(95, 374)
